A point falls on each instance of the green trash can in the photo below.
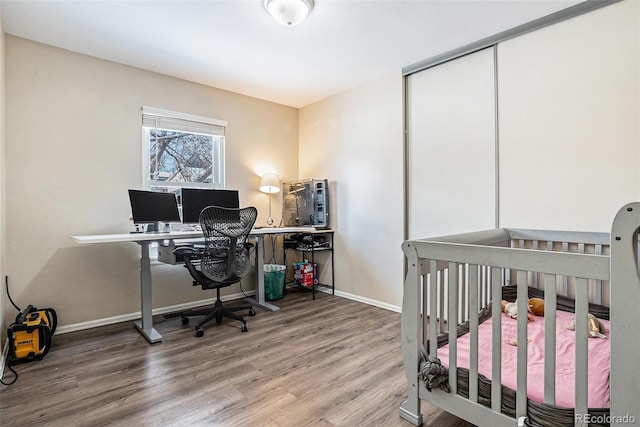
(274, 281)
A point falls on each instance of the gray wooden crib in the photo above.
(451, 283)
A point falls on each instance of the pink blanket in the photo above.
(565, 359)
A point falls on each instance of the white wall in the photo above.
(451, 174)
(569, 128)
(73, 133)
(354, 139)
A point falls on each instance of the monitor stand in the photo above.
(158, 227)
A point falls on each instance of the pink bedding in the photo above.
(565, 359)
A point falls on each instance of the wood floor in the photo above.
(328, 362)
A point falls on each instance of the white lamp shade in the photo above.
(288, 12)
(270, 183)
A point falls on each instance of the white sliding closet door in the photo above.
(568, 110)
(451, 147)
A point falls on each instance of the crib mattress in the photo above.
(598, 359)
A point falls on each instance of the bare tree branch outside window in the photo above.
(180, 157)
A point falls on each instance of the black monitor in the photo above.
(194, 200)
(153, 207)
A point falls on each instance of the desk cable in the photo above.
(251, 252)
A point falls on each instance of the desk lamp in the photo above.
(270, 183)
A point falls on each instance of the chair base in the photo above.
(217, 313)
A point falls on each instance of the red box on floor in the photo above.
(305, 274)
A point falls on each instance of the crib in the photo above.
(452, 294)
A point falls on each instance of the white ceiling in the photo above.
(235, 45)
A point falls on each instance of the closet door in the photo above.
(568, 114)
(451, 154)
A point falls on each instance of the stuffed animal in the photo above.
(536, 306)
(511, 310)
(595, 329)
(514, 342)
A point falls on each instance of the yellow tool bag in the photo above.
(30, 335)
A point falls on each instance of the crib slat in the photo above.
(487, 286)
(521, 395)
(565, 279)
(473, 330)
(453, 336)
(496, 344)
(441, 288)
(425, 316)
(434, 317)
(581, 349)
(598, 291)
(462, 292)
(482, 281)
(534, 275)
(550, 302)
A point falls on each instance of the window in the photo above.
(181, 150)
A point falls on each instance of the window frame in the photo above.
(183, 123)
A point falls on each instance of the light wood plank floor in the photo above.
(328, 362)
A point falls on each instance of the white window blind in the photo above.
(188, 123)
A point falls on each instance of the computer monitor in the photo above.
(153, 207)
(194, 200)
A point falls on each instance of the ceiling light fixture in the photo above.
(288, 12)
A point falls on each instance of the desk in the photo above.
(145, 324)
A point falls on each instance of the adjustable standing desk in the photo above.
(145, 324)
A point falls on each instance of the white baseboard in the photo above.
(186, 306)
(365, 300)
(3, 358)
(156, 311)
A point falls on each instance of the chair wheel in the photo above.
(245, 328)
(252, 312)
(199, 332)
(185, 320)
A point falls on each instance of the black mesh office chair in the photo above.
(222, 262)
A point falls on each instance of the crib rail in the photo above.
(562, 241)
(459, 276)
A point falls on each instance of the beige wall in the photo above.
(73, 148)
(354, 139)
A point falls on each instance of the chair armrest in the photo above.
(185, 250)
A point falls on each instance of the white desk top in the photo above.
(174, 235)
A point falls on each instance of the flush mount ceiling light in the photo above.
(288, 12)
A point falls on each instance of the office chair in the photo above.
(222, 262)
